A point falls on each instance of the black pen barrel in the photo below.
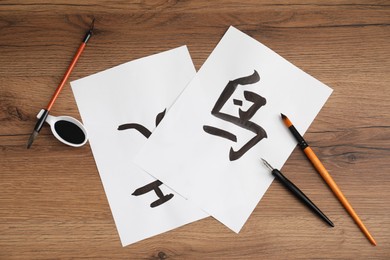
(300, 195)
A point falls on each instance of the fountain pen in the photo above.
(297, 192)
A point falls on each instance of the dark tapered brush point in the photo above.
(31, 139)
(283, 116)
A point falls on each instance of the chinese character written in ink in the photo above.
(155, 185)
(244, 116)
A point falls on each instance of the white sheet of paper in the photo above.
(196, 164)
(134, 92)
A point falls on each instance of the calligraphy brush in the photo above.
(42, 119)
(327, 177)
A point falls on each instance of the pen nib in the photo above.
(267, 164)
(31, 139)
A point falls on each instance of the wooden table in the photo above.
(52, 202)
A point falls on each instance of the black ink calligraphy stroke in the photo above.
(244, 116)
(154, 186)
(228, 92)
(140, 128)
(160, 117)
(219, 132)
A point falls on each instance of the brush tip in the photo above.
(31, 139)
(92, 24)
(286, 120)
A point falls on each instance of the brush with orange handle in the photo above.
(46, 111)
(327, 178)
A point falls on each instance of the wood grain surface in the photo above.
(52, 202)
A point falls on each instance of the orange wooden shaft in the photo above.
(336, 190)
(66, 76)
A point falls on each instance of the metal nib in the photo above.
(267, 164)
(31, 139)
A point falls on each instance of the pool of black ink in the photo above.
(69, 132)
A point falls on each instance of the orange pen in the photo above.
(327, 178)
(42, 119)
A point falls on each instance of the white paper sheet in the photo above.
(132, 95)
(197, 164)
